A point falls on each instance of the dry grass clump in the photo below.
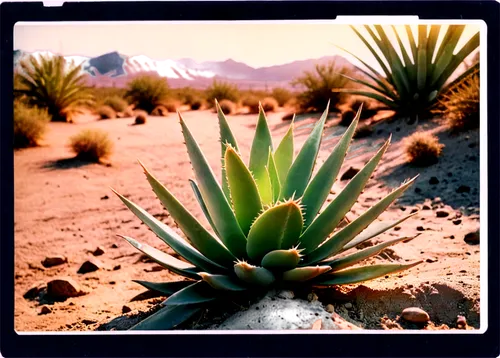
(281, 95)
(141, 118)
(363, 131)
(146, 92)
(347, 117)
(159, 111)
(91, 145)
(196, 104)
(30, 125)
(170, 106)
(370, 108)
(228, 107)
(118, 104)
(222, 90)
(269, 104)
(106, 112)
(422, 148)
(460, 106)
(252, 103)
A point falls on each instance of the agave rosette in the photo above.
(267, 227)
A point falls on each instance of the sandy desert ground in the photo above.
(66, 207)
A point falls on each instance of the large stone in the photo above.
(90, 265)
(51, 261)
(275, 313)
(63, 288)
(472, 238)
(35, 289)
(415, 315)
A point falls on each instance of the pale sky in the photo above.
(256, 44)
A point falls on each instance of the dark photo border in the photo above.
(232, 345)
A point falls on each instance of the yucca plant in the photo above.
(410, 85)
(264, 215)
(54, 85)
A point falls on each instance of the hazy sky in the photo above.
(257, 44)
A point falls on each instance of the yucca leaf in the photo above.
(199, 237)
(301, 274)
(198, 292)
(166, 288)
(265, 187)
(219, 208)
(361, 274)
(413, 45)
(273, 177)
(170, 237)
(382, 91)
(222, 282)
(179, 267)
(244, 193)
(301, 169)
(262, 141)
(327, 221)
(445, 54)
(422, 58)
(375, 229)
(226, 137)
(276, 228)
(200, 200)
(346, 234)
(352, 259)
(384, 100)
(167, 318)
(318, 189)
(254, 275)
(431, 45)
(281, 260)
(283, 156)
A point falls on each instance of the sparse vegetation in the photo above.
(196, 105)
(106, 112)
(222, 90)
(319, 86)
(423, 149)
(370, 109)
(171, 106)
(30, 125)
(460, 105)
(146, 92)
(141, 118)
(160, 111)
(252, 102)
(363, 131)
(227, 106)
(269, 104)
(53, 84)
(118, 104)
(282, 95)
(91, 145)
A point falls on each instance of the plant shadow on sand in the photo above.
(70, 163)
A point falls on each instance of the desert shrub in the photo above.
(423, 149)
(106, 92)
(227, 106)
(91, 145)
(118, 104)
(160, 111)
(269, 104)
(141, 118)
(106, 112)
(187, 95)
(347, 117)
(147, 91)
(460, 106)
(363, 131)
(30, 124)
(370, 109)
(252, 102)
(170, 106)
(282, 95)
(319, 86)
(53, 84)
(196, 104)
(220, 90)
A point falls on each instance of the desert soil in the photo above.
(66, 207)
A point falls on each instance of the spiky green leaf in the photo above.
(254, 275)
(222, 282)
(301, 274)
(273, 178)
(283, 156)
(167, 318)
(201, 202)
(281, 260)
(166, 288)
(198, 292)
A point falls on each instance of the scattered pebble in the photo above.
(414, 210)
(51, 261)
(420, 228)
(418, 190)
(330, 308)
(349, 173)
(442, 213)
(34, 290)
(155, 268)
(90, 265)
(348, 305)
(431, 260)
(98, 251)
(105, 197)
(397, 228)
(114, 246)
(461, 322)
(463, 189)
(426, 207)
(126, 309)
(117, 267)
(433, 181)
(415, 315)
(472, 238)
(45, 310)
(63, 288)
(89, 321)
(457, 222)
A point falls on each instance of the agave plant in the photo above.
(410, 85)
(268, 229)
(54, 85)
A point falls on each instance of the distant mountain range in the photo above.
(115, 69)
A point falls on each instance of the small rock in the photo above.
(90, 265)
(415, 315)
(420, 228)
(114, 246)
(63, 288)
(126, 309)
(105, 197)
(397, 228)
(45, 310)
(34, 290)
(472, 238)
(457, 222)
(402, 208)
(426, 207)
(117, 267)
(155, 268)
(312, 297)
(51, 261)
(330, 308)
(348, 305)
(450, 174)
(418, 190)
(461, 322)
(98, 251)
(431, 260)
(286, 294)
(442, 213)
(433, 181)
(88, 321)
(349, 173)
(112, 282)
(463, 189)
